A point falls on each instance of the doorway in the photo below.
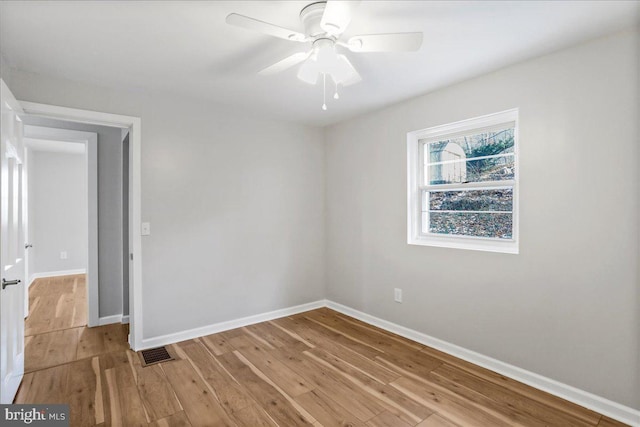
(129, 126)
(61, 230)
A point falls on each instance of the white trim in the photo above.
(107, 320)
(135, 194)
(58, 273)
(591, 401)
(116, 318)
(230, 324)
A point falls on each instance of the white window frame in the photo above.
(415, 187)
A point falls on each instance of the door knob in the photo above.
(6, 283)
(28, 245)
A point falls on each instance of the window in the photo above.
(463, 184)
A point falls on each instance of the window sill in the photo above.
(466, 243)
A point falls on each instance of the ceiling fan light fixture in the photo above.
(324, 23)
(308, 71)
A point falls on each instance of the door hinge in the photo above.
(131, 257)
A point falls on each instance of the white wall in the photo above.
(58, 207)
(236, 205)
(5, 69)
(567, 307)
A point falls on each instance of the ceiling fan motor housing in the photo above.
(311, 15)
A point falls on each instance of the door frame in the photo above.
(135, 195)
(90, 141)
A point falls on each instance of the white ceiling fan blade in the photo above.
(264, 27)
(287, 62)
(337, 15)
(396, 42)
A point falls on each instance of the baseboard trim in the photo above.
(58, 273)
(225, 326)
(125, 319)
(107, 320)
(591, 401)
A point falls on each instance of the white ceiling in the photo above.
(187, 48)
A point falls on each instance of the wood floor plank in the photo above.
(111, 405)
(445, 403)
(371, 368)
(366, 336)
(127, 407)
(292, 383)
(436, 420)
(608, 422)
(102, 339)
(179, 419)
(98, 398)
(156, 393)
(56, 304)
(113, 398)
(229, 393)
(327, 411)
(572, 409)
(51, 349)
(387, 419)
(253, 416)
(340, 389)
(200, 406)
(508, 400)
(371, 328)
(413, 364)
(271, 400)
(291, 333)
(80, 392)
(217, 344)
(393, 401)
(45, 386)
(500, 409)
(317, 334)
(23, 395)
(274, 336)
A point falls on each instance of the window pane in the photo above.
(472, 200)
(485, 156)
(496, 225)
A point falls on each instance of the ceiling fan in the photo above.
(324, 23)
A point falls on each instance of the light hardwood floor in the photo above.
(315, 368)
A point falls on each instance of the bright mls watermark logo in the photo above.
(35, 415)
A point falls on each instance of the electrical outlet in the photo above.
(397, 295)
(63, 255)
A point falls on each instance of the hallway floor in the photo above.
(56, 329)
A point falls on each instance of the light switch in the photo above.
(145, 229)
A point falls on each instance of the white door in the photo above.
(11, 247)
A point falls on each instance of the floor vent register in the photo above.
(155, 355)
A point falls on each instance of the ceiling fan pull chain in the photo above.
(335, 95)
(324, 91)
